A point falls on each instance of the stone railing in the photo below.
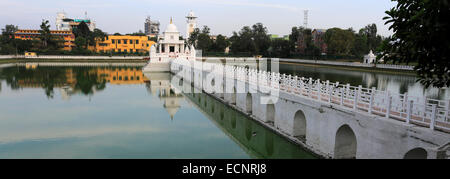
(381, 66)
(425, 112)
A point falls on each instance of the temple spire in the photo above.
(170, 20)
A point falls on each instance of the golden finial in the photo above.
(170, 20)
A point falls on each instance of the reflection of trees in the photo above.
(87, 82)
(46, 78)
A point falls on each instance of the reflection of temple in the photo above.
(159, 85)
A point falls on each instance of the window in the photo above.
(118, 41)
(120, 50)
(113, 41)
(125, 50)
(131, 41)
(124, 41)
(137, 41)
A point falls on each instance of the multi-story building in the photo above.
(67, 24)
(151, 27)
(67, 36)
(124, 44)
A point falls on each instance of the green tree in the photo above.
(260, 38)
(204, 41)
(220, 44)
(339, 41)
(280, 48)
(421, 34)
(45, 35)
(193, 37)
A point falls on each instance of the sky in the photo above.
(222, 16)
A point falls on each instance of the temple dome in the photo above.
(171, 28)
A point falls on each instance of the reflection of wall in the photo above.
(253, 138)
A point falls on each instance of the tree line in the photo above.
(255, 40)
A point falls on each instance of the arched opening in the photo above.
(345, 143)
(249, 103)
(417, 153)
(233, 96)
(270, 113)
(300, 125)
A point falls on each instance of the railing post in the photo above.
(447, 109)
(372, 95)
(310, 87)
(319, 91)
(356, 96)
(405, 100)
(388, 104)
(342, 96)
(409, 111)
(329, 91)
(433, 116)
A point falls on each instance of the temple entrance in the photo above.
(172, 49)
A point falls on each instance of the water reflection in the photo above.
(395, 83)
(127, 119)
(70, 80)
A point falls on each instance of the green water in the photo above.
(118, 112)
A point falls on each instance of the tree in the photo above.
(280, 48)
(260, 38)
(421, 34)
(220, 44)
(193, 37)
(204, 41)
(243, 41)
(45, 35)
(339, 41)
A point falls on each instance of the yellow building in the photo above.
(67, 36)
(124, 44)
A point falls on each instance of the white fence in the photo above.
(403, 107)
(382, 66)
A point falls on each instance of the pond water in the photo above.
(120, 112)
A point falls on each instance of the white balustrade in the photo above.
(410, 109)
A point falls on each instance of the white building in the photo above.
(168, 48)
(65, 23)
(370, 58)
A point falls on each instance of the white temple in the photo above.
(370, 58)
(168, 48)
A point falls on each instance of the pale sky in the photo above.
(222, 16)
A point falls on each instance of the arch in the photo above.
(417, 153)
(300, 124)
(249, 103)
(270, 113)
(233, 96)
(345, 146)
